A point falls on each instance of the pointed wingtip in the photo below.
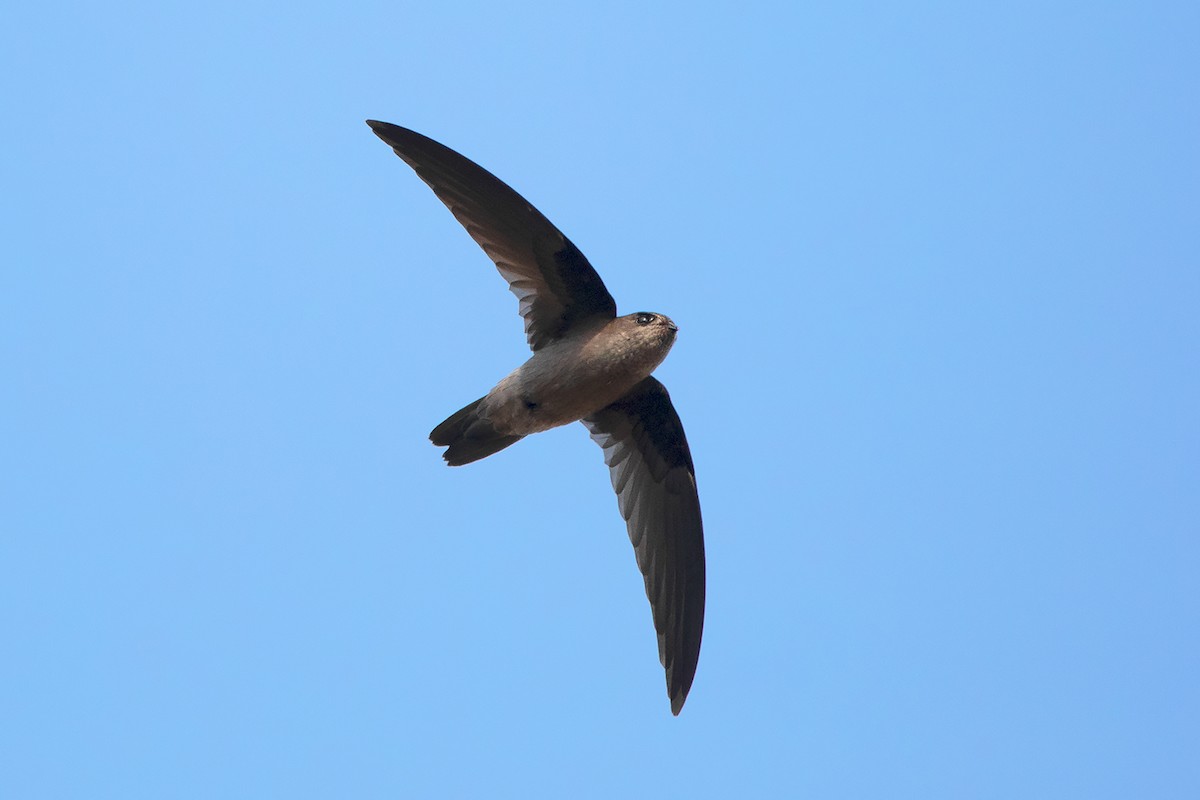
(383, 129)
(398, 138)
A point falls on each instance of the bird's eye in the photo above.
(645, 319)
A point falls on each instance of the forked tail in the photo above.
(469, 437)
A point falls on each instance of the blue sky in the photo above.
(935, 269)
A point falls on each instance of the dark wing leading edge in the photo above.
(652, 473)
(556, 286)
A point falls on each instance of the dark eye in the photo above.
(645, 319)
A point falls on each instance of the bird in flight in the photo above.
(588, 365)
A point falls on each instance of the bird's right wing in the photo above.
(651, 470)
(557, 288)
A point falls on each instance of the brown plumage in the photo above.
(588, 365)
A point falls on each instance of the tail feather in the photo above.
(469, 437)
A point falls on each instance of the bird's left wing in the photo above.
(651, 469)
(558, 289)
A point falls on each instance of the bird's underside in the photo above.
(581, 351)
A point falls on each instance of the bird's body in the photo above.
(577, 376)
(588, 365)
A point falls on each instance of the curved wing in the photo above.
(556, 286)
(651, 469)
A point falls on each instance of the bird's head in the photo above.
(644, 337)
(648, 325)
